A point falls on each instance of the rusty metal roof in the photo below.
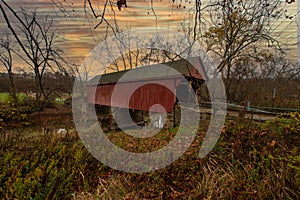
(181, 66)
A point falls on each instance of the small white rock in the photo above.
(61, 131)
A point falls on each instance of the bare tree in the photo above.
(6, 58)
(36, 41)
(236, 29)
(235, 33)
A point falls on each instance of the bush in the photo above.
(250, 161)
(47, 167)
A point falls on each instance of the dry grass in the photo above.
(250, 161)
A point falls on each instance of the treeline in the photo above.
(263, 92)
(58, 83)
(240, 36)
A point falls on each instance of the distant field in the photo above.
(5, 97)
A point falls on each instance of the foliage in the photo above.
(250, 161)
(13, 115)
(17, 115)
(47, 167)
(6, 97)
(242, 37)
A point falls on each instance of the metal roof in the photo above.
(150, 71)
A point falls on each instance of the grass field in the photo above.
(250, 161)
(5, 97)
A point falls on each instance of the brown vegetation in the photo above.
(250, 161)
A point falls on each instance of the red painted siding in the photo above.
(144, 94)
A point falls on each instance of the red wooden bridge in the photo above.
(150, 85)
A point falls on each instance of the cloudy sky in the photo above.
(78, 36)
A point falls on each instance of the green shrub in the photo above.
(250, 161)
(47, 167)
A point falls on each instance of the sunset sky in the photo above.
(78, 36)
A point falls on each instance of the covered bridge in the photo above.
(152, 84)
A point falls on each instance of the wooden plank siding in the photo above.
(152, 89)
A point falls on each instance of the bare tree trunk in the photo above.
(36, 42)
(12, 90)
(7, 60)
